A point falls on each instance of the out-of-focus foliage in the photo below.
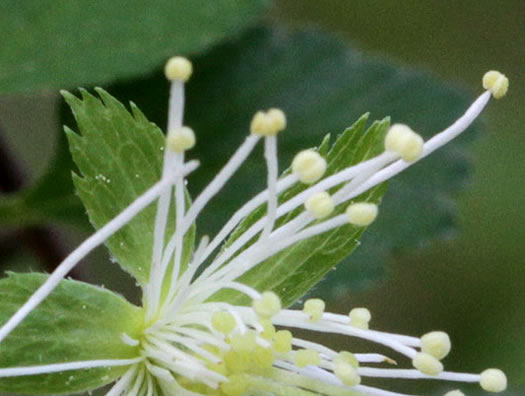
(53, 44)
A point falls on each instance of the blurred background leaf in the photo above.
(58, 44)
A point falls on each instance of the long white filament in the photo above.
(88, 245)
(179, 240)
(59, 367)
(121, 385)
(270, 154)
(175, 119)
(209, 192)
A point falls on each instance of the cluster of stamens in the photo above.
(194, 345)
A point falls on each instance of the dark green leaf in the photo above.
(119, 157)
(87, 324)
(51, 44)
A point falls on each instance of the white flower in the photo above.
(196, 346)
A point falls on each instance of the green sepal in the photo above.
(76, 322)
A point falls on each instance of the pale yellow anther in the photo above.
(362, 213)
(360, 318)
(307, 357)
(223, 322)
(404, 141)
(308, 166)
(347, 374)
(454, 393)
(314, 308)
(180, 139)
(436, 343)
(268, 305)
(348, 358)
(282, 341)
(496, 82)
(244, 342)
(493, 380)
(236, 385)
(427, 364)
(320, 205)
(268, 123)
(268, 329)
(260, 124)
(178, 68)
(277, 119)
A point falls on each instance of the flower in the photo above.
(194, 345)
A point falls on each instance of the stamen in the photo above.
(178, 68)
(320, 205)
(437, 344)
(493, 380)
(361, 214)
(220, 179)
(314, 308)
(180, 139)
(270, 154)
(431, 145)
(497, 83)
(373, 358)
(59, 367)
(368, 390)
(123, 382)
(454, 393)
(139, 379)
(179, 236)
(309, 166)
(360, 318)
(237, 217)
(267, 305)
(126, 339)
(404, 141)
(427, 364)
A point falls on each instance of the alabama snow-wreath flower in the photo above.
(190, 341)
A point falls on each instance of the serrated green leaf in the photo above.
(322, 84)
(87, 324)
(119, 156)
(64, 43)
(295, 270)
